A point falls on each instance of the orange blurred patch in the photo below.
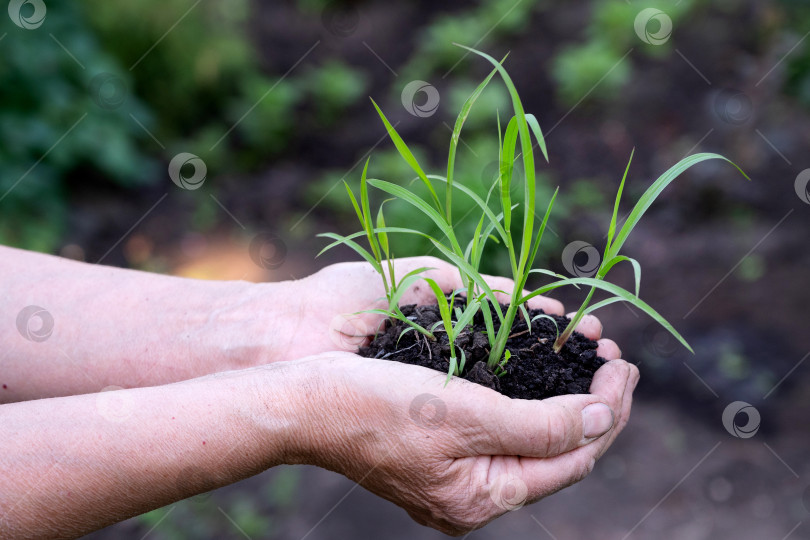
(217, 260)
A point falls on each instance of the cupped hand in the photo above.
(454, 457)
(327, 319)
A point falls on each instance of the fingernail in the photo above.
(597, 419)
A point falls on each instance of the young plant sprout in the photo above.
(518, 141)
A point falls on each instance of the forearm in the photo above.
(128, 328)
(74, 464)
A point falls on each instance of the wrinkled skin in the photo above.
(453, 457)
(327, 317)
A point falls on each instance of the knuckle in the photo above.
(557, 432)
(429, 260)
(555, 305)
(585, 469)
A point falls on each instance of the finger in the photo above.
(610, 381)
(624, 416)
(443, 273)
(608, 349)
(589, 326)
(350, 331)
(546, 476)
(447, 277)
(538, 428)
(548, 305)
(618, 382)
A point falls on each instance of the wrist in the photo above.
(318, 404)
(251, 324)
(284, 399)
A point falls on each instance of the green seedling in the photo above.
(517, 142)
(464, 317)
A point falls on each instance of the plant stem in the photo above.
(503, 333)
(562, 338)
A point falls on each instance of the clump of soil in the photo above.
(534, 371)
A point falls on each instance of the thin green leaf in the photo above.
(410, 198)
(487, 314)
(654, 191)
(451, 371)
(408, 156)
(525, 313)
(355, 246)
(382, 235)
(546, 273)
(403, 286)
(402, 334)
(384, 229)
(479, 280)
(616, 291)
(549, 317)
(466, 317)
(603, 303)
(538, 134)
(400, 317)
(367, 225)
(539, 237)
(479, 202)
(354, 201)
(528, 160)
(612, 228)
(621, 258)
(462, 362)
(455, 137)
(441, 300)
(506, 168)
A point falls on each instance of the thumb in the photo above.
(544, 428)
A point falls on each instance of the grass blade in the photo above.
(479, 280)
(612, 228)
(355, 246)
(408, 156)
(539, 237)
(400, 317)
(527, 151)
(354, 200)
(525, 313)
(654, 191)
(402, 193)
(451, 158)
(621, 258)
(480, 203)
(487, 314)
(616, 291)
(409, 279)
(466, 317)
(549, 317)
(506, 168)
(538, 134)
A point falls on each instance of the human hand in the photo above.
(327, 318)
(454, 457)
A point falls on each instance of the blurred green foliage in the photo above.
(434, 57)
(187, 74)
(196, 70)
(52, 121)
(797, 17)
(252, 508)
(600, 60)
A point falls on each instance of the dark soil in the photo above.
(534, 371)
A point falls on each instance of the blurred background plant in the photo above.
(273, 97)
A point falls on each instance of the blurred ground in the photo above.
(724, 260)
